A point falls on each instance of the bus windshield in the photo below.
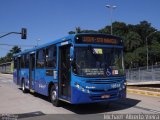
(98, 62)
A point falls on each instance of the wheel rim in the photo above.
(53, 95)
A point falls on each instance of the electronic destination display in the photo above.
(104, 39)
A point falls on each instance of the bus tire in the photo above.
(23, 86)
(53, 97)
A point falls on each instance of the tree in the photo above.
(132, 41)
(71, 32)
(154, 53)
(15, 50)
(106, 30)
(119, 29)
(8, 57)
(88, 31)
(144, 29)
(77, 30)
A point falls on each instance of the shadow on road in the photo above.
(101, 107)
(95, 107)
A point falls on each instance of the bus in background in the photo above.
(79, 68)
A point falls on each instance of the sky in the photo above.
(47, 20)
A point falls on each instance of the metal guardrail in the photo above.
(141, 74)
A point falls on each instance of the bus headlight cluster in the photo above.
(77, 86)
(81, 88)
(123, 86)
(120, 88)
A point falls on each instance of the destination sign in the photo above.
(97, 40)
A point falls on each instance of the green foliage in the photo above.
(154, 52)
(106, 30)
(15, 50)
(132, 41)
(8, 57)
(119, 28)
(144, 29)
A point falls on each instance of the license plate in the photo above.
(105, 96)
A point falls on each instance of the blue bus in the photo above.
(78, 68)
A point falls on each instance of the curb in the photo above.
(143, 92)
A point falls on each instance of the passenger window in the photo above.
(41, 58)
(26, 57)
(22, 62)
(15, 63)
(51, 57)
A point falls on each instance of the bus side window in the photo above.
(41, 58)
(51, 57)
(54, 56)
(15, 63)
(22, 62)
(26, 58)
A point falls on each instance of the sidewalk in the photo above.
(144, 83)
(148, 91)
(6, 75)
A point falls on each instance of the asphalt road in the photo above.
(34, 106)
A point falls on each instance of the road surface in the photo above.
(35, 106)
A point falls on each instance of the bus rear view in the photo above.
(97, 69)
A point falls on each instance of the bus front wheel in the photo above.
(53, 97)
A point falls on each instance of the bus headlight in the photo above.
(81, 88)
(77, 85)
(88, 91)
(120, 88)
(124, 86)
(125, 83)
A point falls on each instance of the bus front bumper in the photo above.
(81, 96)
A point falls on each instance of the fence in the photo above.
(143, 75)
(6, 67)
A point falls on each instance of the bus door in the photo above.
(31, 70)
(64, 72)
(18, 70)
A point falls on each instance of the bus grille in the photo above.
(102, 90)
(104, 81)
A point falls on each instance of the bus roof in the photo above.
(71, 37)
